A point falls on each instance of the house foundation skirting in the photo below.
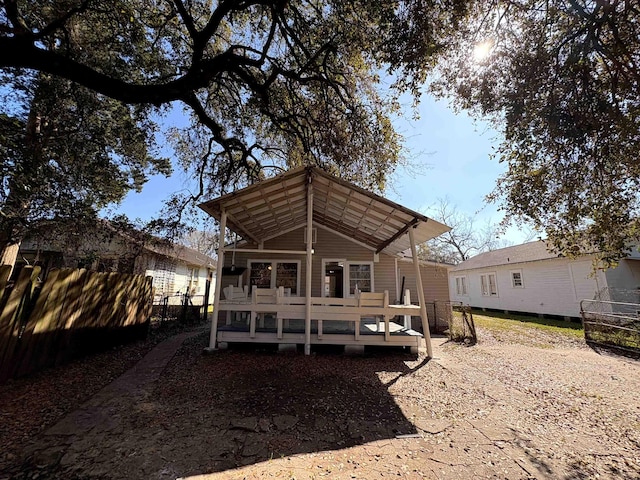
(406, 339)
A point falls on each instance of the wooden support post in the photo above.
(216, 295)
(387, 334)
(279, 326)
(307, 315)
(423, 306)
(252, 325)
(407, 301)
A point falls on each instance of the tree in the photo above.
(560, 79)
(65, 153)
(201, 240)
(464, 240)
(268, 83)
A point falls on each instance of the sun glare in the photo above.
(482, 50)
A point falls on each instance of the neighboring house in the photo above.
(528, 278)
(356, 245)
(175, 269)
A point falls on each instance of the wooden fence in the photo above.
(71, 313)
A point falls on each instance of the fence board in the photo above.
(29, 344)
(70, 313)
(11, 317)
(75, 312)
(5, 272)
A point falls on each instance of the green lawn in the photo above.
(511, 322)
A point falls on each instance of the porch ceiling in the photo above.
(278, 204)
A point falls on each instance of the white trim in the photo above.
(487, 278)
(324, 269)
(513, 283)
(274, 270)
(269, 251)
(347, 292)
(399, 294)
(464, 291)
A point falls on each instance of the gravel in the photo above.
(513, 406)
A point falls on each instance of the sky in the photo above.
(452, 152)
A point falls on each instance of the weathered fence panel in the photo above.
(612, 324)
(75, 312)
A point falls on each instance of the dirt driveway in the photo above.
(519, 407)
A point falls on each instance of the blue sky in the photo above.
(452, 152)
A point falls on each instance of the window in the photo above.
(194, 275)
(488, 285)
(516, 279)
(360, 277)
(461, 285)
(260, 275)
(287, 276)
(274, 274)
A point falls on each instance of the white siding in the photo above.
(624, 281)
(551, 287)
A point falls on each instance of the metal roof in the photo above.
(269, 208)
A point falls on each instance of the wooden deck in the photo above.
(334, 321)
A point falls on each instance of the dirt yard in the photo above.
(517, 405)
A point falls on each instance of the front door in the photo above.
(333, 284)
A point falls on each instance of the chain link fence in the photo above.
(612, 324)
(461, 326)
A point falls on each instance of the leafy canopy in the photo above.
(268, 83)
(65, 153)
(561, 81)
(277, 83)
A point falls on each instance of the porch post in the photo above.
(423, 306)
(307, 315)
(216, 294)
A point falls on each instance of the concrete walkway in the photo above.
(101, 415)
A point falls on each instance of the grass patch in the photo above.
(516, 323)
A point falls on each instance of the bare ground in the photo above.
(517, 405)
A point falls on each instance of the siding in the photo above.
(551, 287)
(328, 246)
(434, 280)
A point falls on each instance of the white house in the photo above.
(528, 278)
(175, 269)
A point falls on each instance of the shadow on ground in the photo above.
(212, 413)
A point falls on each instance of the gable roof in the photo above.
(185, 254)
(265, 209)
(526, 252)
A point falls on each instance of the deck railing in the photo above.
(286, 308)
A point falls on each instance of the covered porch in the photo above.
(308, 198)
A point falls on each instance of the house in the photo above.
(319, 262)
(528, 278)
(175, 269)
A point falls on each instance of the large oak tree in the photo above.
(561, 79)
(65, 153)
(285, 82)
